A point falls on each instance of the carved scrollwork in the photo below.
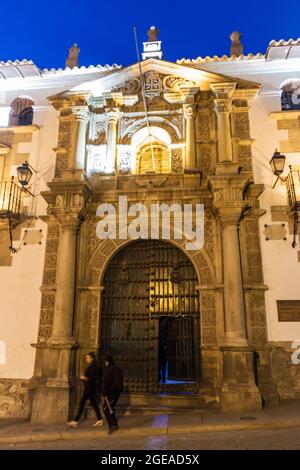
(176, 160)
(129, 87)
(177, 83)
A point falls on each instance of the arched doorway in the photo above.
(150, 317)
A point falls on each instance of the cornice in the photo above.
(284, 115)
(19, 129)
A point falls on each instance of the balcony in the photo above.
(13, 201)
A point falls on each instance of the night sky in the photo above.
(42, 30)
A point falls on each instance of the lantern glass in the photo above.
(24, 174)
(277, 163)
(293, 187)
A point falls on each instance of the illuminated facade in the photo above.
(231, 309)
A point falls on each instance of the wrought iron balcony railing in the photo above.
(11, 199)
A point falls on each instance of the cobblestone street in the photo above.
(236, 440)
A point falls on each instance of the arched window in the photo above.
(21, 112)
(290, 96)
(151, 152)
(153, 157)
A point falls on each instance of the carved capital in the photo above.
(113, 115)
(223, 90)
(230, 216)
(223, 105)
(81, 113)
(189, 111)
(69, 224)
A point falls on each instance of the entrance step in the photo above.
(163, 403)
(172, 402)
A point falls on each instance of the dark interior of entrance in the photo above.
(176, 350)
(150, 317)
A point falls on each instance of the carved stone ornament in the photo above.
(150, 182)
(129, 87)
(176, 160)
(177, 83)
(223, 105)
(124, 161)
(81, 112)
(153, 84)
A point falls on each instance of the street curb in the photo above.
(71, 435)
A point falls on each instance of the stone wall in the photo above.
(286, 375)
(14, 398)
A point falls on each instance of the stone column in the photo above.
(223, 98)
(54, 375)
(235, 323)
(238, 391)
(111, 151)
(77, 154)
(223, 109)
(191, 155)
(65, 282)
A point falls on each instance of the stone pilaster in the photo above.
(238, 391)
(55, 358)
(235, 324)
(111, 152)
(65, 281)
(190, 154)
(77, 155)
(223, 99)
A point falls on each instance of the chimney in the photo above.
(236, 48)
(152, 48)
(72, 59)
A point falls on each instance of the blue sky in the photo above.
(43, 30)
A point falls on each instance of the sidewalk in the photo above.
(286, 415)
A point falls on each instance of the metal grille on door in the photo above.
(146, 281)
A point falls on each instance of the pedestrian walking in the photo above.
(112, 388)
(89, 380)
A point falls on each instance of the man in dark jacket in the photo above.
(112, 388)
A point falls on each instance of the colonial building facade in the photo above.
(199, 131)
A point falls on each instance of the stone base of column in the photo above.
(192, 171)
(239, 391)
(51, 383)
(51, 403)
(265, 378)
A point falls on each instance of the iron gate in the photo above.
(148, 280)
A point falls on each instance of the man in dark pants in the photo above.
(89, 380)
(112, 388)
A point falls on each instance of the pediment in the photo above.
(168, 76)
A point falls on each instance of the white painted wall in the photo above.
(20, 295)
(280, 261)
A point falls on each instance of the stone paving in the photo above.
(162, 424)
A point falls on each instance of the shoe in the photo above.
(73, 424)
(113, 429)
(99, 423)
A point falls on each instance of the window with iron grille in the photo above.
(290, 96)
(21, 112)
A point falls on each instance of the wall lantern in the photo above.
(277, 163)
(293, 190)
(24, 173)
(11, 207)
